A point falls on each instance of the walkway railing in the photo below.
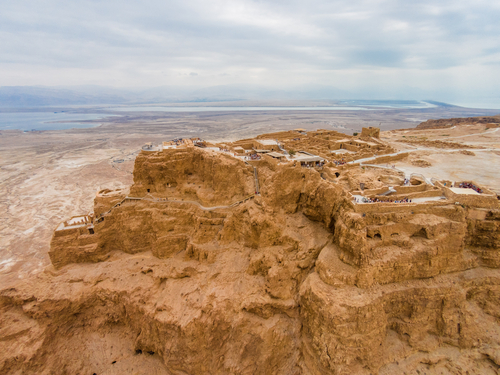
(148, 197)
(281, 148)
(256, 177)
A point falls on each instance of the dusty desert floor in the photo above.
(481, 163)
(49, 176)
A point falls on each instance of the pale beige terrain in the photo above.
(45, 179)
(481, 164)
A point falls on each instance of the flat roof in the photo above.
(307, 157)
(343, 140)
(268, 142)
(275, 154)
(463, 191)
(342, 151)
(310, 159)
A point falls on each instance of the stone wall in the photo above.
(370, 132)
(481, 201)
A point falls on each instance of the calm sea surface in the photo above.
(230, 109)
(42, 120)
(47, 120)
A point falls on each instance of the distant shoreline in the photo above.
(407, 113)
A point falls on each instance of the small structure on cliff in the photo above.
(370, 132)
(76, 222)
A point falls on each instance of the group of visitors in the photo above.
(468, 185)
(199, 142)
(404, 200)
(339, 162)
(316, 165)
(407, 181)
(254, 157)
(223, 149)
(178, 141)
(376, 200)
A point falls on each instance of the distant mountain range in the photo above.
(34, 96)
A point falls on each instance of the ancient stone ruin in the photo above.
(227, 259)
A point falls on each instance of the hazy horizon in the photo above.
(60, 96)
(386, 49)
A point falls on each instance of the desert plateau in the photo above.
(249, 187)
(256, 243)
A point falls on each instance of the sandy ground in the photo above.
(449, 164)
(482, 168)
(47, 177)
(41, 187)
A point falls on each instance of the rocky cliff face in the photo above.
(192, 173)
(295, 281)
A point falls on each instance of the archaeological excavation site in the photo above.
(295, 252)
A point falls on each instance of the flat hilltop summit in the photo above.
(493, 121)
(294, 252)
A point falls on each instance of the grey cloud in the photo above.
(378, 57)
(240, 41)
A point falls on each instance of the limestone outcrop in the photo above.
(192, 174)
(191, 273)
(446, 123)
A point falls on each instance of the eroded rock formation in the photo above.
(182, 275)
(449, 122)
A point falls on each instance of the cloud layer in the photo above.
(446, 48)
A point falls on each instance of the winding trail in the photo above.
(160, 200)
(98, 218)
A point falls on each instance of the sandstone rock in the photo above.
(297, 280)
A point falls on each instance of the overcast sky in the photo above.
(448, 47)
